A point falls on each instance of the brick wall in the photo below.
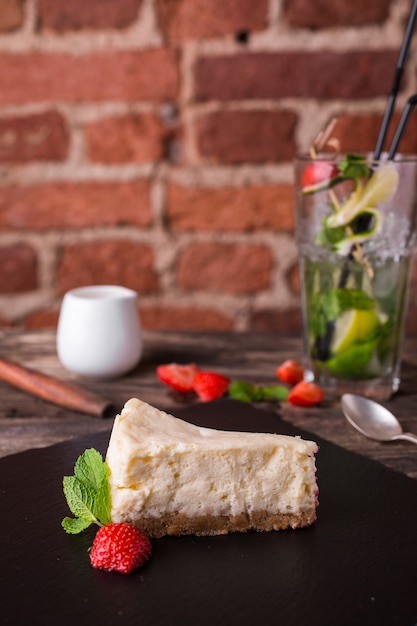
(149, 143)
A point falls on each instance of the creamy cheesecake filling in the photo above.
(162, 468)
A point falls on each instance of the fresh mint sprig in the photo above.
(87, 493)
(247, 392)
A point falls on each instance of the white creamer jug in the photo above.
(99, 332)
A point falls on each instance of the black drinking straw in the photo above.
(411, 103)
(397, 80)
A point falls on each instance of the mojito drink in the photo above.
(355, 248)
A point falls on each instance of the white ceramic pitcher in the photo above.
(99, 332)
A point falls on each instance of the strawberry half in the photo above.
(178, 377)
(319, 175)
(210, 385)
(120, 547)
(290, 372)
(305, 394)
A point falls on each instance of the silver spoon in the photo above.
(372, 419)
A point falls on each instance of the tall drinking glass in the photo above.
(356, 230)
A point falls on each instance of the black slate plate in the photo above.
(356, 566)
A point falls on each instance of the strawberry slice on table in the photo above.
(120, 547)
(305, 394)
(319, 175)
(178, 377)
(210, 385)
(290, 372)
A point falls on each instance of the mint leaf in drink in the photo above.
(327, 306)
(353, 362)
(354, 167)
(328, 236)
(353, 299)
(87, 493)
(324, 308)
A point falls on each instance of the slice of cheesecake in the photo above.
(169, 477)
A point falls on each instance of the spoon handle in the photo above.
(408, 437)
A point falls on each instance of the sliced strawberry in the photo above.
(290, 372)
(210, 385)
(120, 547)
(319, 175)
(305, 394)
(178, 377)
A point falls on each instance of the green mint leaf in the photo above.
(246, 392)
(80, 498)
(354, 299)
(240, 390)
(275, 392)
(324, 308)
(90, 469)
(327, 306)
(354, 166)
(330, 235)
(74, 526)
(102, 503)
(87, 492)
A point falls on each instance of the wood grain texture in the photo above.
(30, 422)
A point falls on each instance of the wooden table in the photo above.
(28, 422)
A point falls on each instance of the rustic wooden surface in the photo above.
(28, 422)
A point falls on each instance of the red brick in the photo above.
(114, 75)
(325, 14)
(229, 268)
(75, 205)
(184, 318)
(11, 15)
(37, 137)
(120, 262)
(360, 132)
(247, 136)
(324, 74)
(246, 208)
(130, 138)
(61, 15)
(42, 319)
(18, 269)
(288, 321)
(191, 19)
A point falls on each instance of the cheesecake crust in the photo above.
(179, 524)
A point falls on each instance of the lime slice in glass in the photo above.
(353, 326)
(381, 187)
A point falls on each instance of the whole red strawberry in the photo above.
(210, 385)
(120, 547)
